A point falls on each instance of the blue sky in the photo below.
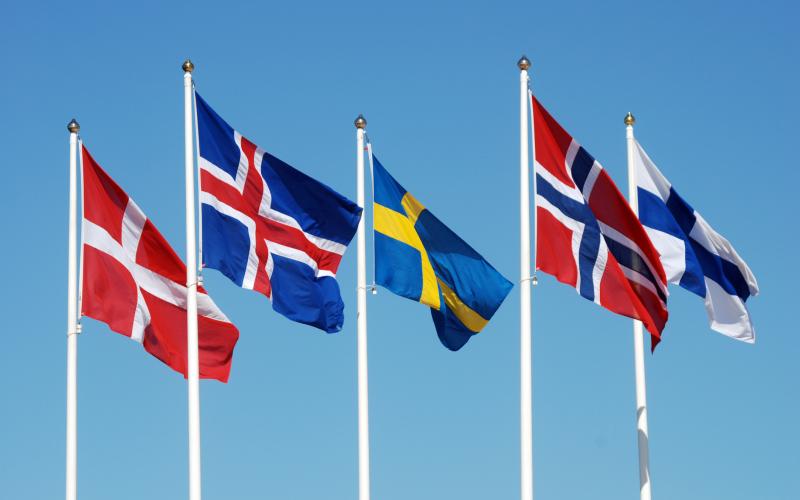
(714, 88)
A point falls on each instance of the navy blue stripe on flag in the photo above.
(588, 250)
(581, 166)
(681, 211)
(629, 258)
(723, 272)
(653, 213)
(714, 267)
(590, 241)
(678, 220)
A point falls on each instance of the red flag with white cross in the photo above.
(135, 282)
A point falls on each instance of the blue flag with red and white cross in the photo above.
(588, 236)
(271, 228)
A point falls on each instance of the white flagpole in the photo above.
(72, 318)
(191, 286)
(638, 342)
(525, 373)
(363, 392)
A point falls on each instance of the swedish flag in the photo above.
(418, 257)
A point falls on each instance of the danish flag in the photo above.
(134, 282)
(269, 227)
(587, 234)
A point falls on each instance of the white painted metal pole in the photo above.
(363, 391)
(72, 318)
(525, 373)
(638, 343)
(191, 285)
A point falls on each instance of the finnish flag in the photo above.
(693, 255)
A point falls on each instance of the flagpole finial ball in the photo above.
(524, 63)
(360, 122)
(187, 66)
(629, 119)
(73, 126)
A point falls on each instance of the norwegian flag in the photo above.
(134, 282)
(587, 234)
(269, 227)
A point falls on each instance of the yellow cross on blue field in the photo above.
(418, 257)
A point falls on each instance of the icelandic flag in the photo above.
(271, 228)
(587, 234)
(694, 255)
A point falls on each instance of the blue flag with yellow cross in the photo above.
(418, 257)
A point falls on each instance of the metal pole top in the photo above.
(73, 126)
(360, 122)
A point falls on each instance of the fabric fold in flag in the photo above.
(135, 282)
(588, 236)
(694, 255)
(269, 227)
(418, 257)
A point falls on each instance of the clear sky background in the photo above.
(714, 88)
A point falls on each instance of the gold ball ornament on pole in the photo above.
(73, 126)
(360, 122)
